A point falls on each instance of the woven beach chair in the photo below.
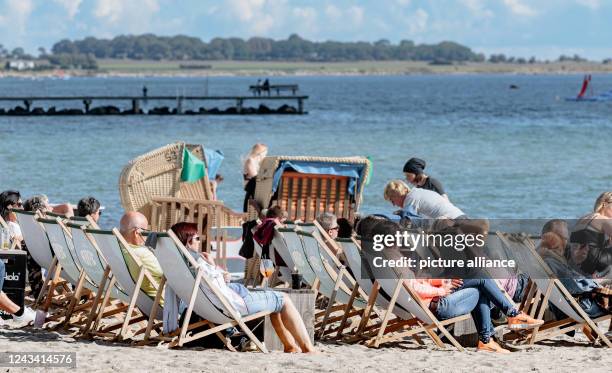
(187, 280)
(110, 244)
(545, 287)
(158, 173)
(308, 186)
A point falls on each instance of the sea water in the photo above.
(499, 152)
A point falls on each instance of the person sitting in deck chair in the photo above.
(89, 206)
(285, 318)
(555, 235)
(448, 298)
(132, 225)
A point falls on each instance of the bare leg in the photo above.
(7, 304)
(284, 335)
(295, 325)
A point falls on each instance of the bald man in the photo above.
(131, 226)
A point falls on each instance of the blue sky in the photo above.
(544, 28)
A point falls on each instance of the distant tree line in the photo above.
(294, 48)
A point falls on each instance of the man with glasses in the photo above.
(132, 227)
(89, 206)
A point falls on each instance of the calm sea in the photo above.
(500, 153)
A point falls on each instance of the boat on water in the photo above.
(586, 93)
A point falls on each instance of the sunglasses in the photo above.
(196, 239)
(337, 227)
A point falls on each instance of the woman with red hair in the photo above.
(285, 318)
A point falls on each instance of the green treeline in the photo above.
(295, 48)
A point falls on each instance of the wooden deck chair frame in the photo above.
(196, 293)
(55, 288)
(110, 244)
(110, 300)
(60, 240)
(403, 295)
(536, 301)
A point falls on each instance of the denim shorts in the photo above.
(264, 300)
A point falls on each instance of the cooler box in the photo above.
(15, 277)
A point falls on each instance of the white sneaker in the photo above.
(28, 316)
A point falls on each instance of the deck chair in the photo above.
(187, 282)
(98, 271)
(61, 243)
(287, 240)
(332, 276)
(110, 244)
(423, 320)
(55, 288)
(546, 287)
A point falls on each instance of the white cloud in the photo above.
(356, 14)
(520, 9)
(477, 8)
(14, 17)
(260, 16)
(71, 6)
(592, 4)
(417, 21)
(403, 3)
(132, 16)
(332, 11)
(308, 14)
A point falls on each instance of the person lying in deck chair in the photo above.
(555, 235)
(132, 225)
(448, 298)
(89, 206)
(285, 318)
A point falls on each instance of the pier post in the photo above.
(87, 104)
(179, 105)
(27, 104)
(135, 106)
(239, 103)
(300, 106)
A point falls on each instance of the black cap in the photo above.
(415, 166)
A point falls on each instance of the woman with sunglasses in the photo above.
(285, 318)
(9, 200)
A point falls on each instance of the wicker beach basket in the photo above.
(304, 196)
(158, 173)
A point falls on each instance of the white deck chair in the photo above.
(548, 289)
(110, 243)
(188, 281)
(404, 296)
(98, 271)
(61, 241)
(289, 239)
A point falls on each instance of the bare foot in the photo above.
(292, 350)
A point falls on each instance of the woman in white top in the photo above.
(250, 169)
(285, 318)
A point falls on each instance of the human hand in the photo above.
(207, 258)
(456, 283)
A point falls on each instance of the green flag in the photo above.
(193, 168)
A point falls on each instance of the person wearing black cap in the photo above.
(414, 170)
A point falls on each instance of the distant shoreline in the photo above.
(130, 68)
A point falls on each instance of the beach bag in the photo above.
(602, 297)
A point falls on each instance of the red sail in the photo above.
(585, 85)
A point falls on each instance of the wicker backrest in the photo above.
(158, 173)
(305, 196)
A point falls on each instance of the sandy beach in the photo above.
(561, 355)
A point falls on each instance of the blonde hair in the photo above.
(257, 149)
(395, 188)
(604, 198)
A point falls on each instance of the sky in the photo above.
(522, 28)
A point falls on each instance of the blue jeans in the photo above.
(476, 296)
(259, 300)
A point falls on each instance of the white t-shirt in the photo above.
(14, 229)
(431, 205)
(216, 277)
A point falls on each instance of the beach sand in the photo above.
(562, 355)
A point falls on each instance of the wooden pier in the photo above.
(136, 105)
